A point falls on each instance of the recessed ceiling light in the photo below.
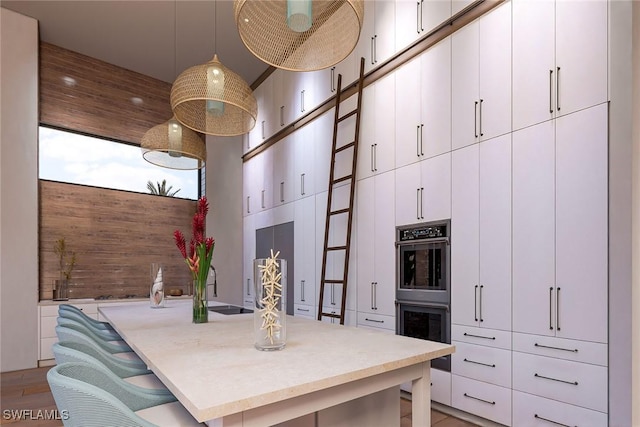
(137, 101)
(69, 81)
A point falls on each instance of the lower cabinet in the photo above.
(482, 399)
(377, 321)
(349, 316)
(534, 411)
(441, 386)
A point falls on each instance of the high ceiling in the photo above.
(156, 38)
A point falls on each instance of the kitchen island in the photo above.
(327, 374)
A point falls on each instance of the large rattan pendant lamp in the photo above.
(300, 35)
(212, 99)
(170, 144)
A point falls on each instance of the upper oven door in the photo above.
(424, 269)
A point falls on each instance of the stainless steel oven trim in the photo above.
(423, 241)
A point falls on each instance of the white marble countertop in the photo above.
(214, 369)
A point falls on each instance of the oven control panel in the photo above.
(421, 233)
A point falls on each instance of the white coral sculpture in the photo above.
(272, 293)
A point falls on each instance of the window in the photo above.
(80, 159)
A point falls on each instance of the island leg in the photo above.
(421, 398)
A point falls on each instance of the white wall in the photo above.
(635, 335)
(18, 191)
(224, 222)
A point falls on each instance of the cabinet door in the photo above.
(407, 23)
(408, 194)
(367, 134)
(435, 188)
(465, 53)
(384, 234)
(323, 134)
(282, 158)
(366, 193)
(384, 140)
(278, 102)
(304, 245)
(465, 262)
(581, 225)
(533, 61)
(581, 54)
(249, 254)
(435, 90)
(264, 177)
(494, 112)
(304, 143)
(384, 45)
(495, 233)
(256, 135)
(533, 229)
(408, 117)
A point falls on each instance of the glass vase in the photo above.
(270, 309)
(156, 293)
(200, 313)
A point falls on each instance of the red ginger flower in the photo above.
(192, 259)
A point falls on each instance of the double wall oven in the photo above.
(423, 292)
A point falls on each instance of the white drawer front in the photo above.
(349, 316)
(560, 348)
(571, 382)
(88, 309)
(48, 326)
(49, 310)
(441, 386)
(485, 400)
(304, 310)
(491, 365)
(481, 336)
(535, 411)
(377, 321)
(45, 347)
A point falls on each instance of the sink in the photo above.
(230, 309)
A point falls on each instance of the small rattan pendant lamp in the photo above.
(170, 144)
(212, 99)
(300, 35)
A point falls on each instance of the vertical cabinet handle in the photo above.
(418, 140)
(417, 203)
(282, 115)
(480, 119)
(421, 139)
(371, 158)
(480, 303)
(551, 91)
(371, 51)
(301, 290)
(475, 303)
(372, 297)
(248, 286)
(421, 202)
(248, 209)
(475, 118)
(262, 195)
(557, 309)
(302, 184)
(262, 129)
(375, 157)
(282, 192)
(375, 48)
(550, 308)
(333, 301)
(332, 83)
(418, 17)
(421, 15)
(558, 88)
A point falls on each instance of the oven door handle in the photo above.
(423, 304)
(423, 241)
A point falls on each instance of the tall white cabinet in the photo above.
(503, 129)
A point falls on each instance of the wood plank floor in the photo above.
(26, 401)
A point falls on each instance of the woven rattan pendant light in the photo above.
(170, 144)
(278, 31)
(173, 146)
(212, 99)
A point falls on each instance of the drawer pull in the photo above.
(303, 309)
(481, 400)
(575, 350)
(550, 421)
(479, 336)
(556, 379)
(480, 363)
(373, 320)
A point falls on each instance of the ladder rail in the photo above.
(349, 210)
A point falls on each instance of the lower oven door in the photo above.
(428, 322)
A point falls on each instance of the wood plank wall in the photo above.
(100, 101)
(116, 235)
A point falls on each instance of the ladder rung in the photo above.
(344, 178)
(340, 211)
(335, 316)
(349, 114)
(344, 147)
(336, 248)
(333, 281)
